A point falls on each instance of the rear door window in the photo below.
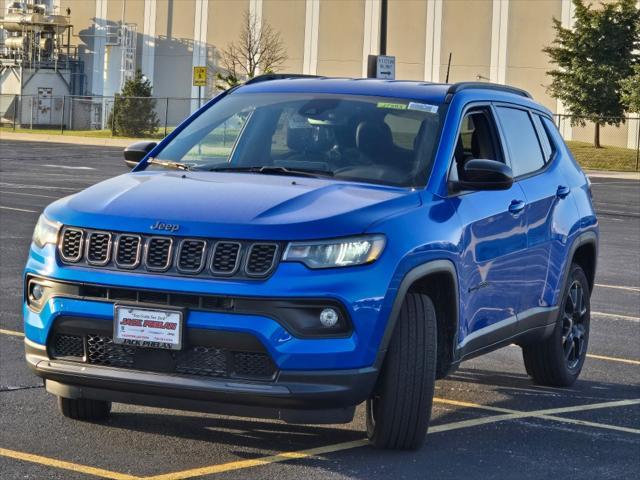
(522, 140)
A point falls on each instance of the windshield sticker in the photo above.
(423, 107)
(394, 106)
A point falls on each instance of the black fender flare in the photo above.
(584, 238)
(429, 268)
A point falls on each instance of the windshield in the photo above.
(360, 138)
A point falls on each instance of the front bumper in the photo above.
(294, 396)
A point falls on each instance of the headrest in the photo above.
(374, 138)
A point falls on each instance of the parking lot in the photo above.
(489, 420)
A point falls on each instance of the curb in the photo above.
(71, 139)
(611, 174)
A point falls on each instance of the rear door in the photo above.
(532, 154)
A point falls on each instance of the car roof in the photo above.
(406, 89)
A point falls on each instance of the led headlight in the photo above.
(45, 232)
(341, 252)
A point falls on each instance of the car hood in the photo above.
(232, 205)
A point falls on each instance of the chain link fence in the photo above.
(92, 114)
(626, 135)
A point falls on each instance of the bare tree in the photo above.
(259, 49)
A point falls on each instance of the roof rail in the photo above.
(277, 76)
(458, 87)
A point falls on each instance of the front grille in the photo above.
(261, 258)
(166, 254)
(68, 346)
(191, 256)
(159, 253)
(71, 245)
(98, 248)
(196, 360)
(225, 258)
(128, 249)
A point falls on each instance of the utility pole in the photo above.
(384, 10)
(382, 65)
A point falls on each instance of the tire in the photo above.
(398, 412)
(558, 360)
(84, 408)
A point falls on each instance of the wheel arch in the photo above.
(437, 279)
(584, 252)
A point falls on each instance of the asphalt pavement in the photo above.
(489, 419)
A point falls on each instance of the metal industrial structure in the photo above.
(40, 61)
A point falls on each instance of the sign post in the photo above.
(199, 80)
(381, 66)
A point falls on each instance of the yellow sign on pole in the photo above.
(199, 76)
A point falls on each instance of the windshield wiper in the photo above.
(270, 170)
(169, 164)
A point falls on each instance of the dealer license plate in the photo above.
(147, 327)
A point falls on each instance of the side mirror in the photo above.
(136, 152)
(480, 174)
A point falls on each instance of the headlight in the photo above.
(342, 252)
(45, 232)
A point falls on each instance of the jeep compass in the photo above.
(299, 246)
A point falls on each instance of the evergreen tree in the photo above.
(134, 112)
(593, 59)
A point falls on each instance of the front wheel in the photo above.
(398, 412)
(557, 361)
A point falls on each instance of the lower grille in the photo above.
(205, 361)
(102, 351)
(197, 360)
(68, 346)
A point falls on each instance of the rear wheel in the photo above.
(84, 408)
(399, 410)
(557, 361)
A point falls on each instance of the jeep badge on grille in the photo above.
(169, 227)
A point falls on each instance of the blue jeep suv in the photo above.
(299, 246)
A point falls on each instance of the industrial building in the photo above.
(488, 40)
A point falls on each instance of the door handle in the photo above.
(563, 191)
(516, 207)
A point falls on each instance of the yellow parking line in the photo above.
(255, 462)
(614, 359)
(548, 414)
(505, 414)
(618, 287)
(11, 332)
(73, 467)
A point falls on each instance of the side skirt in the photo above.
(531, 326)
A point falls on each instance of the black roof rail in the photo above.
(277, 76)
(458, 87)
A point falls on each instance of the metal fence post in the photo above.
(15, 110)
(64, 100)
(166, 115)
(638, 146)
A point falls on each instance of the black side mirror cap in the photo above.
(483, 174)
(136, 152)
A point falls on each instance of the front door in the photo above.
(493, 243)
